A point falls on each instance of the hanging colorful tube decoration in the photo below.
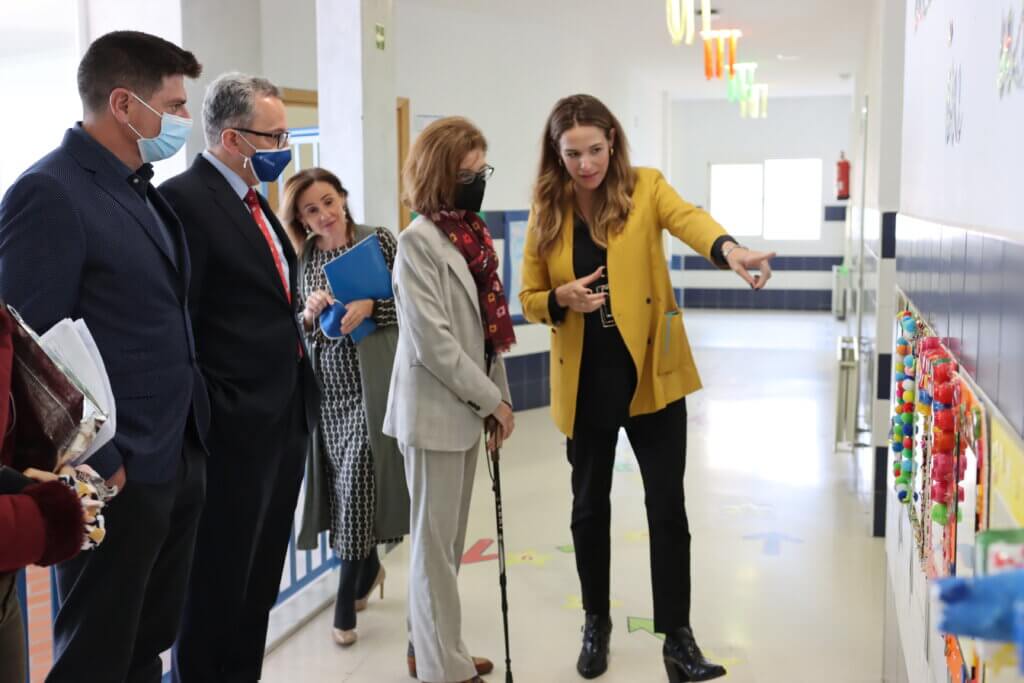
(743, 82)
(709, 59)
(705, 16)
(675, 19)
(716, 57)
(691, 20)
(734, 37)
(719, 54)
(733, 87)
(682, 22)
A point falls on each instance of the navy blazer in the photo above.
(77, 241)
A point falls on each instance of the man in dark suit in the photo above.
(263, 394)
(84, 235)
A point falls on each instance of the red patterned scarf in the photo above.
(470, 236)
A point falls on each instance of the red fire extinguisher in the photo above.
(842, 177)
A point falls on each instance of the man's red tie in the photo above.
(253, 202)
(257, 215)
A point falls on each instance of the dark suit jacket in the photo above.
(77, 241)
(247, 333)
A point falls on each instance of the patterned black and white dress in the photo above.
(343, 416)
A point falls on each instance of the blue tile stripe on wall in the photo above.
(798, 263)
(889, 234)
(748, 299)
(529, 380)
(884, 375)
(967, 285)
(835, 213)
(878, 505)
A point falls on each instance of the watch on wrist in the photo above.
(729, 249)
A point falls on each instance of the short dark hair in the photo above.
(133, 60)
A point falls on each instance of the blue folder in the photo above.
(359, 273)
(330, 323)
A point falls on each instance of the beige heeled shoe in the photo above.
(345, 638)
(364, 601)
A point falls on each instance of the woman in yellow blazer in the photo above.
(595, 270)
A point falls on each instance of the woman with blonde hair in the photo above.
(595, 271)
(355, 481)
(449, 378)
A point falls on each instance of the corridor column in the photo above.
(356, 68)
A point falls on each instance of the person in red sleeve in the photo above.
(41, 522)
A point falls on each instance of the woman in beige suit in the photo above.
(449, 378)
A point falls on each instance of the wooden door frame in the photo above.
(402, 124)
(299, 97)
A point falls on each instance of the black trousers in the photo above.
(120, 605)
(659, 442)
(252, 491)
(354, 581)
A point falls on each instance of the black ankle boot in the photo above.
(684, 661)
(593, 659)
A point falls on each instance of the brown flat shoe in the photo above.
(483, 667)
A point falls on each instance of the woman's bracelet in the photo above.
(729, 249)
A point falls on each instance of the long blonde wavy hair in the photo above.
(554, 187)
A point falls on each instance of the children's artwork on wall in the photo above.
(921, 8)
(954, 105)
(962, 654)
(1011, 53)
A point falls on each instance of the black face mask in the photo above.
(471, 197)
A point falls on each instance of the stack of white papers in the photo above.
(71, 343)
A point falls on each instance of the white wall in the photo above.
(707, 132)
(288, 41)
(506, 78)
(358, 129)
(880, 79)
(225, 36)
(45, 105)
(974, 182)
(379, 120)
(267, 38)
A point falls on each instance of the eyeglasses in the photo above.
(468, 177)
(280, 139)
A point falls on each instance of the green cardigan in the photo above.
(376, 358)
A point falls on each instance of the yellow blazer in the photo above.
(645, 307)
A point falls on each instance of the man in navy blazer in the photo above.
(264, 398)
(83, 234)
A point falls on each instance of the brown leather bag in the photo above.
(46, 407)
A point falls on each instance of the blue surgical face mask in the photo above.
(174, 132)
(268, 164)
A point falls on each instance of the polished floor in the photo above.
(787, 581)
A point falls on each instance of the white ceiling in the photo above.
(825, 36)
